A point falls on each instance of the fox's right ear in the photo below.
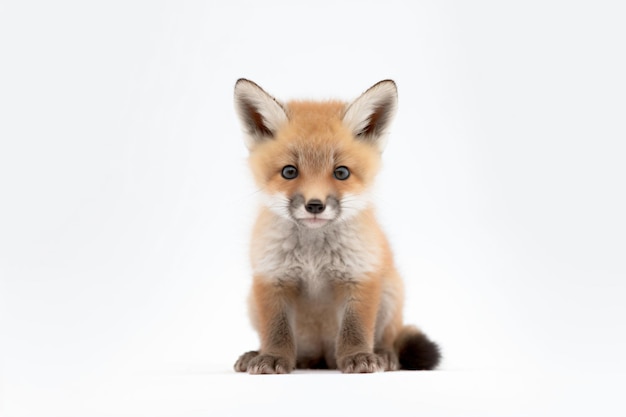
(261, 114)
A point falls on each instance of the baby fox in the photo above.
(325, 292)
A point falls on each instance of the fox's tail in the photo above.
(415, 350)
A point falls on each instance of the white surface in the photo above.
(125, 202)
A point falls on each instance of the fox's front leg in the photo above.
(355, 343)
(271, 304)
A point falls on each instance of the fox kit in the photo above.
(325, 291)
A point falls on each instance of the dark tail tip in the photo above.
(418, 352)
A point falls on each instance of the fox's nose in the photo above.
(314, 206)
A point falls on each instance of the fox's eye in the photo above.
(289, 172)
(341, 173)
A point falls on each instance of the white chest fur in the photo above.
(313, 258)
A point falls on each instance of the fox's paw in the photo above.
(268, 364)
(242, 363)
(389, 358)
(361, 363)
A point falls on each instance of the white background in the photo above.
(125, 201)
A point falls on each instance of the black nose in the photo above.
(314, 206)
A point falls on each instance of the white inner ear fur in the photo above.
(250, 99)
(379, 101)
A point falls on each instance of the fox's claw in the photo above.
(361, 363)
(242, 363)
(268, 364)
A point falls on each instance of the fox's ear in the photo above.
(370, 115)
(261, 114)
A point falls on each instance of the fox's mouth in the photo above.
(314, 222)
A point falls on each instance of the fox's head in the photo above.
(315, 161)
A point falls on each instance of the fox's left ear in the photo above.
(370, 115)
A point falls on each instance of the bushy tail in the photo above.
(415, 350)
